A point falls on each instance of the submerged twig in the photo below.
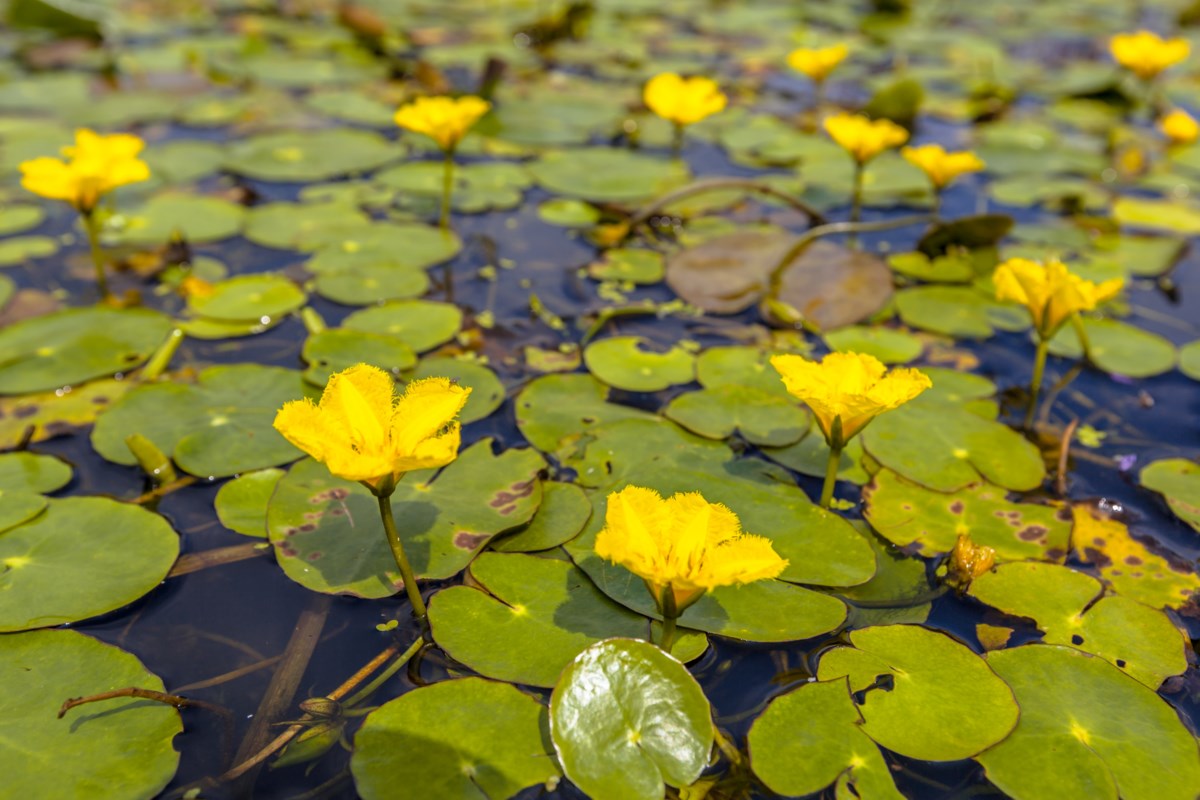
(174, 700)
(218, 556)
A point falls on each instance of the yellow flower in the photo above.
(1180, 127)
(362, 432)
(864, 138)
(1146, 54)
(847, 390)
(683, 544)
(818, 62)
(98, 164)
(444, 119)
(1050, 291)
(939, 166)
(683, 101)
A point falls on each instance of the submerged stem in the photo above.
(676, 140)
(406, 573)
(1035, 385)
(856, 203)
(669, 613)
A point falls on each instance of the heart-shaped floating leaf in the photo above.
(1189, 360)
(628, 719)
(1178, 480)
(477, 187)
(18, 506)
(129, 752)
(459, 738)
(899, 592)
(930, 522)
(565, 509)
(921, 693)
(44, 415)
(1069, 607)
(762, 418)
(607, 175)
(301, 156)
(1115, 346)
(554, 407)
(408, 245)
(812, 737)
(888, 345)
(728, 273)
(31, 472)
(220, 425)
(605, 455)
(1087, 730)
(623, 362)
(947, 448)
(45, 581)
(970, 233)
(241, 504)
(421, 324)
(810, 456)
(76, 345)
(368, 284)
(832, 286)
(630, 265)
(531, 618)
(958, 311)
(196, 219)
(328, 536)
(335, 349)
(248, 297)
(1128, 566)
(1163, 215)
(290, 225)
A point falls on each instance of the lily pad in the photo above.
(912, 683)
(220, 425)
(832, 286)
(957, 311)
(463, 738)
(930, 522)
(762, 418)
(368, 284)
(888, 345)
(44, 415)
(76, 345)
(530, 618)
(287, 226)
(494, 186)
(30, 472)
(341, 248)
(810, 456)
(184, 160)
(335, 349)
(728, 273)
(626, 718)
(1072, 609)
(1163, 215)
(1178, 480)
(129, 752)
(606, 175)
(421, 324)
(606, 454)
(623, 362)
(946, 448)
(18, 506)
(638, 266)
(21, 249)
(248, 297)
(487, 392)
(298, 156)
(565, 509)
(328, 536)
(1087, 730)
(196, 219)
(241, 504)
(1115, 346)
(18, 218)
(46, 582)
(813, 737)
(554, 407)
(1128, 566)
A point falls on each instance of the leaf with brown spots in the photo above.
(53, 414)
(1127, 565)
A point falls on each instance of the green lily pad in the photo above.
(623, 363)
(1128, 566)
(410, 245)
(287, 226)
(954, 267)
(20, 249)
(1178, 480)
(197, 219)
(30, 472)
(568, 213)
(351, 106)
(206, 328)
(1087, 730)
(44, 580)
(606, 175)
(335, 349)
(368, 284)
(813, 737)
(606, 453)
(628, 264)
(1189, 360)
(248, 297)
(810, 456)
(899, 592)
(18, 506)
(495, 186)
(1163, 215)
(241, 504)
(184, 160)
(923, 694)
(462, 738)
(44, 415)
(1072, 609)
(421, 324)
(1141, 256)
(304, 156)
(929, 522)
(530, 618)
(553, 408)
(17, 218)
(8, 289)
(129, 752)
(328, 536)
(626, 718)
(946, 448)
(958, 311)
(888, 345)
(762, 418)
(487, 392)
(739, 366)
(220, 425)
(76, 345)
(1115, 346)
(565, 509)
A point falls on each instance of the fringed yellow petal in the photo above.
(940, 166)
(98, 164)
(446, 120)
(683, 101)
(864, 138)
(426, 407)
(1051, 292)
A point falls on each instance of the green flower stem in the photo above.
(1035, 386)
(92, 226)
(447, 189)
(396, 665)
(856, 203)
(1081, 332)
(669, 614)
(410, 581)
(676, 140)
(936, 211)
(831, 473)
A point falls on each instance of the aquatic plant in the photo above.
(864, 139)
(941, 167)
(446, 120)
(683, 101)
(818, 63)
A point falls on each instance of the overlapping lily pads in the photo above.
(1178, 480)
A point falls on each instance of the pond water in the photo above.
(522, 295)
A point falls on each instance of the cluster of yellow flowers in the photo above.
(1052, 293)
